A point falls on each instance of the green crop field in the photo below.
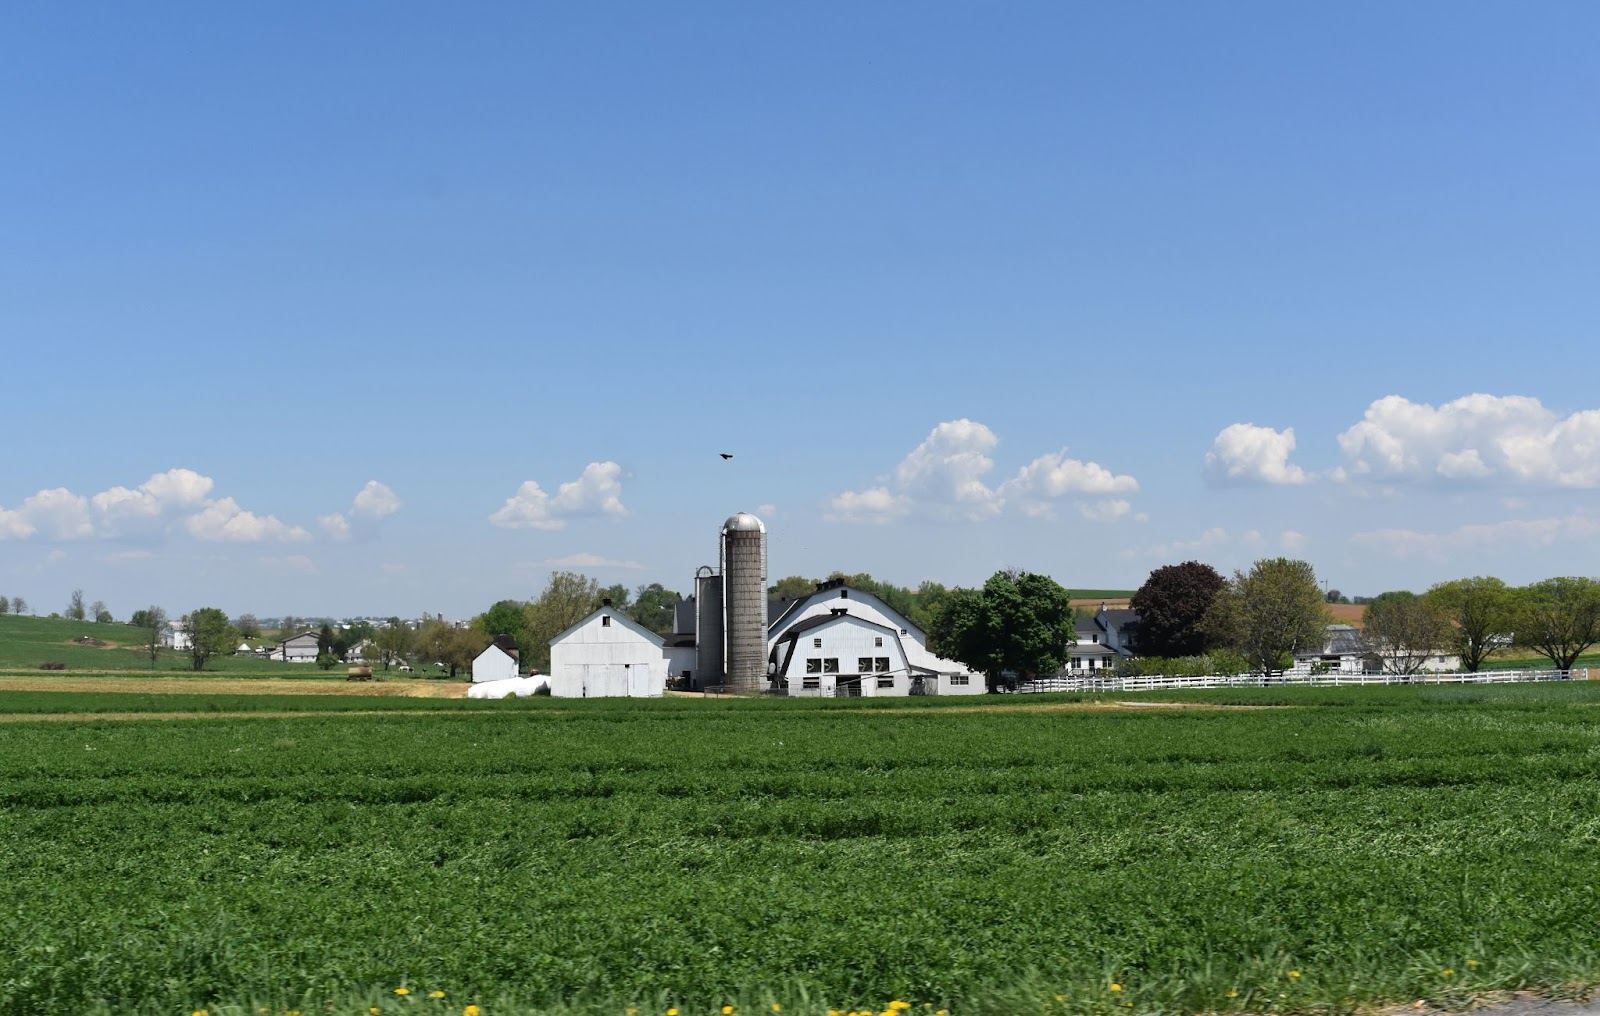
(1336, 849)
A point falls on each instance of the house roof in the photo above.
(507, 645)
(793, 632)
(1118, 618)
(1091, 649)
(1339, 640)
(846, 592)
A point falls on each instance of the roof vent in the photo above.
(837, 611)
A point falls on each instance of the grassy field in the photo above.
(28, 642)
(1338, 848)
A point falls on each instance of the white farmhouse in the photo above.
(177, 635)
(498, 662)
(607, 654)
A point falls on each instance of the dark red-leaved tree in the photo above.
(1170, 605)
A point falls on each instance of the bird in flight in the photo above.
(727, 455)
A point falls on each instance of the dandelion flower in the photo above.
(776, 1007)
(1115, 986)
(202, 1012)
(374, 1010)
(1447, 972)
(402, 991)
(672, 1012)
(436, 993)
(1233, 994)
(471, 1010)
(727, 1010)
(1472, 963)
(898, 1005)
(1294, 974)
(631, 1011)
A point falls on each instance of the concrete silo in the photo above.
(708, 661)
(744, 602)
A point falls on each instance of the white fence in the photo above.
(1106, 683)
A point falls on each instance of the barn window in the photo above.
(814, 666)
(816, 643)
(864, 664)
(902, 631)
(811, 682)
(959, 680)
(830, 665)
(605, 620)
(886, 682)
(877, 642)
(881, 664)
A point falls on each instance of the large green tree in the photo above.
(210, 635)
(505, 617)
(1403, 629)
(1171, 604)
(1019, 623)
(1479, 610)
(393, 642)
(1269, 614)
(567, 599)
(1558, 618)
(655, 607)
(75, 609)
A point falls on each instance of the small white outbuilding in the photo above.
(499, 662)
(607, 654)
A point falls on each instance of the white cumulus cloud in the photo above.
(373, 502)
(596, 492)
(945, 477)
(176, 499)
(223, 521)
(1476, 438)
(1244, 453)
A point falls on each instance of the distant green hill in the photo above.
(1102, 594)
(28, 642)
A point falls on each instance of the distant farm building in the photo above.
(300, 648)
(499, 662)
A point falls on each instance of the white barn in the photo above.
(608, 655)
(301, 648)
(938, 676)
(839, 654)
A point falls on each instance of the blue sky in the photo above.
(389, 308)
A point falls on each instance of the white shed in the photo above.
(607, 654)
(498, 662)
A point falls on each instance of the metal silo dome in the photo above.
(743, 522)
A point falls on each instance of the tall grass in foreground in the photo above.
(1369, 846)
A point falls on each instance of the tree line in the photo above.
(1193, 619)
